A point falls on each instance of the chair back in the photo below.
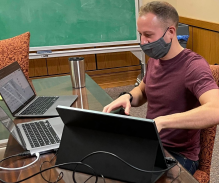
(16, 49)
(207, 136)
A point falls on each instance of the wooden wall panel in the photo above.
(37, 67)
(112, 60)
(90, 62)
(57, 65)
(200, 23)
(206, 43)
(60, 65)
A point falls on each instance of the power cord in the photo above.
(173, 161)
(77, 163)
(168, 161)
(178, 174)
(27, 153)
(60, 176)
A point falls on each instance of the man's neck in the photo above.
(175, 49)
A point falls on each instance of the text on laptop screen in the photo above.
(15, 90)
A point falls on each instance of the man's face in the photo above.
(150, 28)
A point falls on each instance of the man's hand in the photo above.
(139, 98)
(122, 101)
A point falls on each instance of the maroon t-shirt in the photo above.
(174, 86)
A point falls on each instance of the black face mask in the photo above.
(157, 49)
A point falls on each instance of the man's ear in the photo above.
(172, 31)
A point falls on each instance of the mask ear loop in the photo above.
(165, 31)
(162, 36)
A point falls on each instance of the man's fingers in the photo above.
(122, 101)
(112, 107)
(127, 109)
(105, 108)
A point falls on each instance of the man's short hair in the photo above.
(163, 10)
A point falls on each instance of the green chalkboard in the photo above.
(67, 22)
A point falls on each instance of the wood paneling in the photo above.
(90, 62)
(200, 23)
(112, 60)
(206, 43)
(116, 79)
(37, 67)
(113, 70)
(57, 65)
(60, 65)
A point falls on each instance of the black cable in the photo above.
(146, 171)
(80, 163)
(177, 175)
(26, 153)
(62, 164)
(141, 170)
(92, 176)
(88, 178)
(60, 176)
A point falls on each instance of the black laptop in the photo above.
(135, 140)
(21, 98)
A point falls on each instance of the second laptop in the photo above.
(21, 99)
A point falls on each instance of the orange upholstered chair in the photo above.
(16, 49)
(207, 143)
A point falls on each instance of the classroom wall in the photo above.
(196, 9)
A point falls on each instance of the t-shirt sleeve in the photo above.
(199, 77)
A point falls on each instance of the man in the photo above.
(181, 93)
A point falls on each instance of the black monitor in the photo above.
(135, 140)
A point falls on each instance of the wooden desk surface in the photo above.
(91, 97)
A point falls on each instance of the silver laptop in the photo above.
(21, 98)
(37, 136)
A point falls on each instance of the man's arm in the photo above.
(201, 117)
(139, 98)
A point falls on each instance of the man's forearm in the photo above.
(198, 118)
(138, 97)
(201, 117)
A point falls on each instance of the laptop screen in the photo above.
(15, 89)
(9, 125)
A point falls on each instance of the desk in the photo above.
(92, 97)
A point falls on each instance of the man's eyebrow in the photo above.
(146, 32)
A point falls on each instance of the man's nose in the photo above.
(144, 40)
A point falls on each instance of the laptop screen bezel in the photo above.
(5, 72)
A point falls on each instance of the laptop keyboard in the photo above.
(39, 106)
(40, 133)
